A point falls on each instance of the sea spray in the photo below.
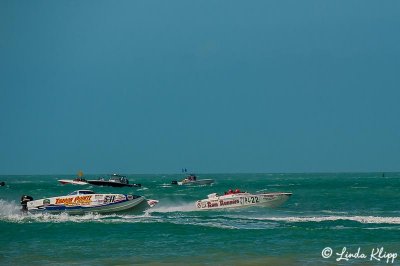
(164, 207)
(360, 219)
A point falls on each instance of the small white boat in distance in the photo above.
(192, 180)
(76, 181)
(242, 199)
(84, 201)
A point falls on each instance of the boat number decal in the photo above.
(249, 200)
(198, 205)
(109, 199)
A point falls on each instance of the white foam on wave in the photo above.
(360, 219)
(275, 185)
(333, 212)
(64, 217)
(165, 185)
(213, 224)
(84, 218)
(9, 208)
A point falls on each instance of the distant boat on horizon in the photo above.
(115, 180)
(192, 180)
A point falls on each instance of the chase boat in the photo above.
(84, 201)
(242, 199)
(192, 180)
(115, 180)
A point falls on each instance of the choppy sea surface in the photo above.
(355, 212)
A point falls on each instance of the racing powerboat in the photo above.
(84, 201)
(76, 181)
(242, 199)
(115, 180)
(192, 180)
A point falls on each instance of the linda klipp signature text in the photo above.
(375, 254)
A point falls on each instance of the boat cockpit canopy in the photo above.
(81, 192)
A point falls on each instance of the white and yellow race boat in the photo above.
(84, 201)
(242, 199)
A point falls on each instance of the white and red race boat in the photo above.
(84, 201)
(242, 199)
(76, 181)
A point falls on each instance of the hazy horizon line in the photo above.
(211, 173)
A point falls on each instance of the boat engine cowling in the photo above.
(24, 202)
(174, 182)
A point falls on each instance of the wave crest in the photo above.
(360, 219)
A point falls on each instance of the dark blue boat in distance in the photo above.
(115, 180)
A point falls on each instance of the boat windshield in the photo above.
(191, 177)
(122, 180)
(117, 175)
(81, 192)
(213, 195)
(85, 192)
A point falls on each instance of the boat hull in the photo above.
(238, 200)
(110, 183)
(73, 182)
(196, 182)
(80, 204)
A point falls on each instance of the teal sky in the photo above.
(213, 86)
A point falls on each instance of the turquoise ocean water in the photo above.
(344, 210)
